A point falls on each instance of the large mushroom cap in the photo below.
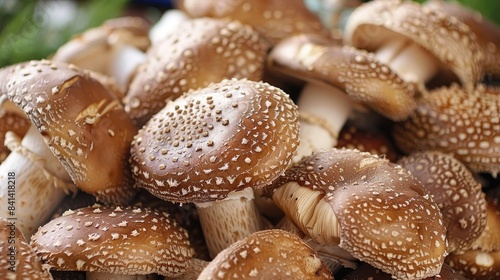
(267, 254)
(199, 52)
(446, 38)
(112, 239)
(81, 121)
(450, 120)
(357, 72)
(209, 142)
(374, 209)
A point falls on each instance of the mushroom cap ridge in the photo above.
(212, 141)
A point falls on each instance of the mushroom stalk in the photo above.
(168, 23)
(323, 111)
(227, 221)
(402, 55)
(35, 182)
(125, 63)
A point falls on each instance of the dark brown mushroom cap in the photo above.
(452, 42)
(80, 121)
(197, 53)
(489, 240)
(368, 272)
(18, 260)
(273, 19)
(118, 240)
(476, 264)
(356, 72)
(267, 254)
(209, 142)
(487, 32)
(456, 192)
(453, 121)
(384, 215)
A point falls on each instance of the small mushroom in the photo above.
(456, 192)
(18, 260)
(11, 119)
(215, 49)
(273, 19)
(375, 210)
(79, 120)
(368, 272)
(451, 120)
(415, 41)
(267, 254)
(476, 264)
(117, 241)
(211, 147)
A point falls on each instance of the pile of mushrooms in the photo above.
(235, 139)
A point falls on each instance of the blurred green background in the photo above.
(34, 29)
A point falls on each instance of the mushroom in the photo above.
(368, 272)
(214, 50)
(113, 243)
(451, 120)
(337, 76)
(273, 19)
(11, 120)
(415, 41)
(375, 210)
(456, 192)
(476, 264)
(80, 121)
(211, 147)
(267, 254)
(18, 259)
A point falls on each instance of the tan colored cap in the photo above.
(476, 264)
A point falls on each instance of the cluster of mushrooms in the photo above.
(258, 140)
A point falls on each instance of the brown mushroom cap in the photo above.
(18, 260)
(374, 209)
(273, 19)
(446, 38)
(112, 239)
(489, 240)
(368, 272)
(11, 121)
(199, 52)
(464, 124)
(476, 264)
(80, 121)
(209, 142)
(267, 254)
(356, 72)
(456, 192)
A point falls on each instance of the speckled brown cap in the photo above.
(450, 41)
(267, 254)
(453, 121)
(118, 240)
(212, 141)
(197, 53)
(274, 19)
(18, 260)
(368, 272)
(11, 120)
(489, 240)
(82, 123)
(354, 71)
(374, 209)
(456, 192)
(476, 264)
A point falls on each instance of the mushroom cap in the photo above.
(368, 272)
(476, 264)
(80, 121)
(489, 240)
(456, 192)
(357, 72)
(273, 19)
(91, 49)
(383, 215)
(267, 254)
(199, 52)
(226, 137)
(11, 120)
(118, 240)
(18, 260)
(487, 32)
(449, 40)
(464, 124)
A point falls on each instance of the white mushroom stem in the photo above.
(34, 182)
(408, 59)
(324, 110)
(113, 276)
(230, 220)
(126, 60)
(168, 23)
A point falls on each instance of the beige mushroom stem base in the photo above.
(112, 276)
(34, 181)
(230, 220)
(125, 62)
(323, 111)
(408, 60)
